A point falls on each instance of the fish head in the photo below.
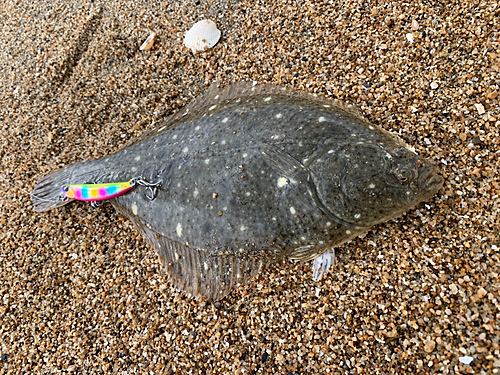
(372, 183)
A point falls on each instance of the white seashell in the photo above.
(148, 43)
(203, 35)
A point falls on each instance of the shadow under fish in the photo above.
(247, 176)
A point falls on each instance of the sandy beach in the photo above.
(82, 293)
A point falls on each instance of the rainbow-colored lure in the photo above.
(97, 192)
(102, 192)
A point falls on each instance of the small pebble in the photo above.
(480, 108)
(492, 95)
(264, 357)
(414, 25)
(429, 346)
(434, 85)
(481, 293)
(409, 37)
(466, 360)
(454, 288)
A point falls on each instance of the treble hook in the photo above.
(152, 188)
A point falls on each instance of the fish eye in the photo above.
(65, 189)
(403, 175)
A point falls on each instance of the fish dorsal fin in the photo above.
(245, 92)
(195, 271)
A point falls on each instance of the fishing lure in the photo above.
(105, 191)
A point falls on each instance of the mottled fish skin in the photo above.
(256, 175)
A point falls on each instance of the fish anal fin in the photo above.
(196, 271)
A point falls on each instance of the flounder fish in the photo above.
(254, 175)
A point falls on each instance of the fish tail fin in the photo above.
(48, 193)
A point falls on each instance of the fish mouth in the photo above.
(429, 179)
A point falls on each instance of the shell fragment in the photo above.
(203, 35)
(148, 43)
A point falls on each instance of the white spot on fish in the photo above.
(174, 136)
(326, 106)
(176, 256)
(212, 107)
(179, 184)
(207, 161)
(371, 186)
(138, 157)
(279, 115)
(371, 127)
(357, 216)
(224, 120)
(282, 181)
(161, 129)
(134, 208)
(133, 169)
(331, 151)
(178, 229)
(267, 99)
(322, 119)
(205, 266)
(223, 142)
(185, 150)
(292, 210)
(197, 128)
(274, 218)
(245, 155)
(348, 232)
(328, 224)
(247, 193)
(303, 238)
(354, 135)
(196, 193)
(243, 228)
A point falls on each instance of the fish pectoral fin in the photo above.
(282, 162)
(322, 263)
